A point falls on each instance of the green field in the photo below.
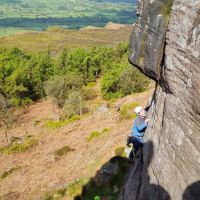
(22, 15)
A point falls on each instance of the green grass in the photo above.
(51, 124)
(56, 41)
(55, 195)
(76, 188)
(96, 134)
(63, 151)
(61, 8)
(106, 130)
(11, 31)
(127, 111)
(9, 172)
(20, 147)
(39, 15)
(120, 151)
(93, 135)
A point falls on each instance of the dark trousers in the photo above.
(136, 145)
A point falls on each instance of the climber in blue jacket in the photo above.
(137, 132)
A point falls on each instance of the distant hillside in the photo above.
(58, 38)
(22, 15)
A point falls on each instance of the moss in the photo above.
(91, 84)
(51, 124)
(20, 147)
(97, 134)
(167, 8)
(55, 195)
(127, 111)
(9, 172)
(120, 151)
(76, 188)
(63, 151)
(106, 130)
(92, 135)
(74, 118)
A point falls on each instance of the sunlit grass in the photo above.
(20, 147)
(96, 134)
(58, 124)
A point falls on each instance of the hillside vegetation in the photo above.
(57, 39)
(67, 156)
(68, 78)
(65, 113)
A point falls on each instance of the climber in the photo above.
(137, 132)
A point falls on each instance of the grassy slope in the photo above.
(58, 39)
(39, 171)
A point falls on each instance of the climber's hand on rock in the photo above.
(146, 121)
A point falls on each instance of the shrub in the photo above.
(123, 79)
(22, 75)
(110, 83)
(63, 151)
(20, 147)
(88, 93)
(132, 80)
(127, 111)
(74, 105)
(97, 198)
(60, 87)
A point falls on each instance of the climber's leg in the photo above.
(137, 145)
(130, 140)
(131, 156)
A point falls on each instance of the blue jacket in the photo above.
(139, 127)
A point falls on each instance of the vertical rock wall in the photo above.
(169, 167)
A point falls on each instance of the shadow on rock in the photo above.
(138, 184)
(107, 182)
(192, 192)
(150, 191)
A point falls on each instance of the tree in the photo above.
(6, 116)
(61, 86)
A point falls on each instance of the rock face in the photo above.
(169, 165)
(148, 37)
